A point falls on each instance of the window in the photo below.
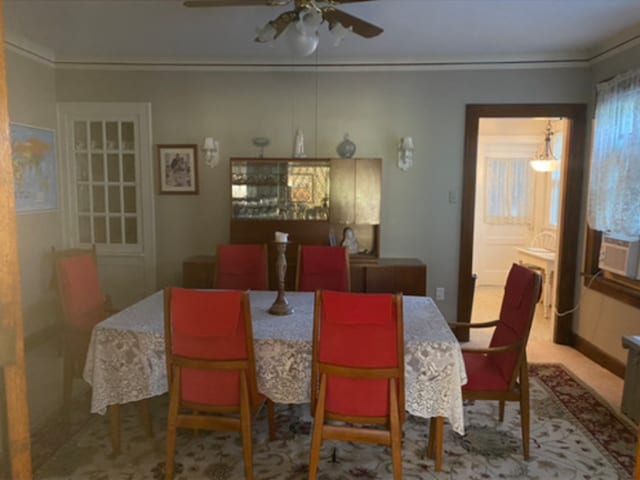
(508, 191)
(614, 187)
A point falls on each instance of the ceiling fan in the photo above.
(305, 18)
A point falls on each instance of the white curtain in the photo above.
(508, 191)
(614, 188)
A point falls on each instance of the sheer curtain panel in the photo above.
(614, 188)
(508, 191)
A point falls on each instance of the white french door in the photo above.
(105, 151)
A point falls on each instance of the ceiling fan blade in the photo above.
(234, 3)
(335, 2)
(359, 26)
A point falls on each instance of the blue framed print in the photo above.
(33, 153)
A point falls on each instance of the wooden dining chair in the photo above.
(241, 266)
(500, 371)
(357, 372)
(322, 267)
(211, 367)
(82, 304)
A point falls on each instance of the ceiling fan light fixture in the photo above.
(338, 32)
(311, 17)
(266, 34)
(301, 40)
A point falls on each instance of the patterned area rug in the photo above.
(573, 436)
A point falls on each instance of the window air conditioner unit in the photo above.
(619, 255)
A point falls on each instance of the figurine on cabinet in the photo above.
(349, 240)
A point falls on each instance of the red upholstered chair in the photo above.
(83, 305)
(241, 267)
(211, 366)
(322, 268)
(500, 372)
(357, 372)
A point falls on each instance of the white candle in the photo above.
(282, 237)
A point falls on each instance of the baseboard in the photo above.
(41, 337)
(599, 356)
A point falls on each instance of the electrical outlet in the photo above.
(440, 293)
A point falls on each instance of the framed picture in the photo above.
(33, 153)
(178, 168)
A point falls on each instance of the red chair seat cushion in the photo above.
(483, 373)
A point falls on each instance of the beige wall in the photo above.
(376, 109)
(32, 101)
(602, 320)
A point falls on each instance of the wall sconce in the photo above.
(405, 153)
(211, 152)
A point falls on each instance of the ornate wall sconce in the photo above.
(211, 152)
(405, 153)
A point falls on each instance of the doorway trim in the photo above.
(571, 201)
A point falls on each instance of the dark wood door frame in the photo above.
(571, 204)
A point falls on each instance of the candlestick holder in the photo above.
(281, 305)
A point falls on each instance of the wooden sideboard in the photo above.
(389, 275)
(381, 275)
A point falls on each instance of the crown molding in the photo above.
(46, 56)
(25, 47)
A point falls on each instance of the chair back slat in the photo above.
(210, 326)
(79, 289)
(359, 331)
(242, 267)
(322, 267)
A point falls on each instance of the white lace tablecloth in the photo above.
(126, 357)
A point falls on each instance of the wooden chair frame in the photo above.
(392, 435)
(299, 266)
(196, 416)
(75, 341)
(75, 346)
(518, 390)
(636, 475)
(216, 268)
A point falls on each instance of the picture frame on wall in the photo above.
(178, 169)
(33, 152)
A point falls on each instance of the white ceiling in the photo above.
(440, 33)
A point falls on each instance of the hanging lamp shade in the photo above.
(545, 161)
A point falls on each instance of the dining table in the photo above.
(126, 359)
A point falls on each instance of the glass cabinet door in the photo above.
(279, 189)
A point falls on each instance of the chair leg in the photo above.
(318, 424)
(524, 410)
(501, 410)
(432, 438)
(67, 378)
(172, 420)
(636, 475)
(245, 426)
(271, 418)
(434, 449)
(396, 434)
(114, 420)
(145, 416)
